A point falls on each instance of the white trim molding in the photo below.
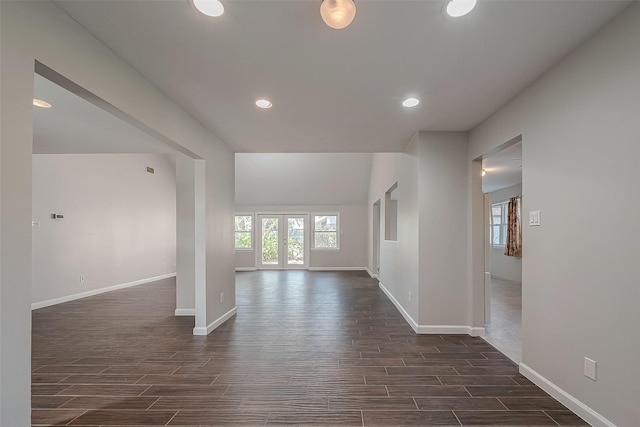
(450, 329)
(47, 303)
(199, 330)
(432, 329)
(373, 276)
(400, 308)
(579, 408)
(185, 312)
(246, 269)
(337, 268)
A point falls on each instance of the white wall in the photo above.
(580, 124)
(286, 179)
(442, 175)
(311, 183)
(353, 236)
(398, 259)
(31, 31)
(119, 222)
(502, 266)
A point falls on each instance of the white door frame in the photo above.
(283, 263)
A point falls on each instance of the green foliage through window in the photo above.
(325, 232)
(243, 230)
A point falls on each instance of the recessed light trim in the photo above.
(264, 103)
(40, 103)
(458, 8)
(213, 8)
(410, 102)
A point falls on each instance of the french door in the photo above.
(283, 241)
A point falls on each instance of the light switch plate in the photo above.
(534, 218)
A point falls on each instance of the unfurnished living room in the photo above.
(319, 212)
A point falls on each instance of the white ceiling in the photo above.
(504, 169)
(340, 90)
(75, 126)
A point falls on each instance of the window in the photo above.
(325, 232)
(244, 232)
(499, 223)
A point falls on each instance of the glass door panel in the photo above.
(296, 241)
(283, 241)
(270, 242)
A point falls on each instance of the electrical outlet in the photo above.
(35, 224)
(590, 368)
(221, 297)
(81, 279)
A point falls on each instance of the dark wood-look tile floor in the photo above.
(319, 348)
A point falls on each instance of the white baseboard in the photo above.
(213, 325)
(450, 329)
(432, 329)
(476, 331)
(579, 408)
(337, 268)
(246, 269)
(400, 308)
(92, 292)
(373, 276)
(185, 312)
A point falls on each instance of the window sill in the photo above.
(244, 249)
(325, 249)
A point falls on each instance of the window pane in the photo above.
(496, 210)
(495, 235)
(243, 240)
(243, 222)
(326, 222)
(325, 239)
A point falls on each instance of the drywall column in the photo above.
(15, 232)
(186, 236)
(442, 175)
(476, 250)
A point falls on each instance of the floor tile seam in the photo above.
(84, 412)
(154, 402)
(545, 412)
(144, 391)
(171, 419)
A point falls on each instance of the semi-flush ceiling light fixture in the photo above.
(40, 103)
(213, 8)
(263, 103)
(410, 102)
(458, 8)
(337, 14)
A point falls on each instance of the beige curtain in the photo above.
(514, 229)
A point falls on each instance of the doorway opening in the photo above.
(502, 188)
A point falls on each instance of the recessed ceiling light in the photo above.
(40, 103)
(213, 8)
(410, 102)
(263, 103)
(458, 8)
